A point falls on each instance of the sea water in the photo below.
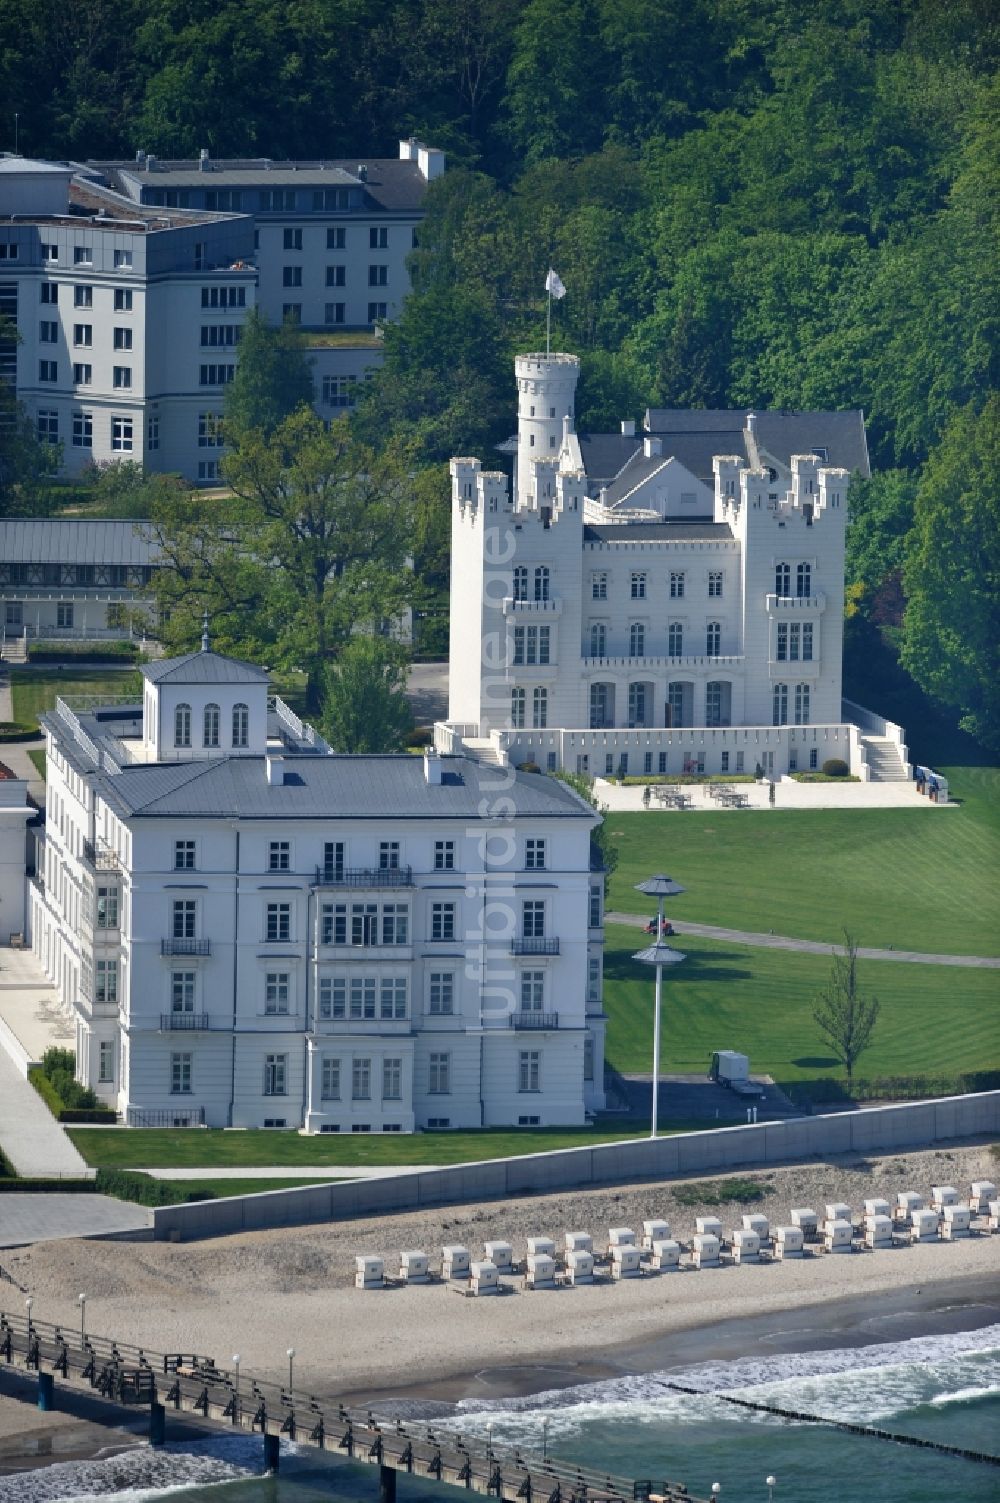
(941, 1388)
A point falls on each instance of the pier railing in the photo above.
(132, 1375)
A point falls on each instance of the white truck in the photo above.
(733, 1070)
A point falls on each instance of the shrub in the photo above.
(64, 1096)
(529, 767)
(421, 735)
(143, 1190)
(834, 767)
(720, 1192)
(106, 652)
(12, 730)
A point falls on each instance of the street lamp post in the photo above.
(27, 1305)
(290, 1354)
(83, 1318)
(545, 1437)
(236, 1397)
(771, 1483)
(658, 954)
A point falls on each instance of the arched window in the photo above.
(539, 708)
(779, 709)
(241, 725)
(542, 583)
(801, 704)
(803, 581)
(602, 706)
(636, 639)
(782, 579)
(182, 725)
(713, 639)
(718, 702)
(517, 709)
(520, 583)
(210, 726)
(675, 639)
(598, 639)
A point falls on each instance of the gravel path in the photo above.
(804, 946)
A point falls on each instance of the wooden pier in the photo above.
(192, 1384)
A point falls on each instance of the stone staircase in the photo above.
(14, 650)
(884, 762)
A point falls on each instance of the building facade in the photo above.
(254, 932)
(632, 619)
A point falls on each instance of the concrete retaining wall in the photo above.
(876, 1129)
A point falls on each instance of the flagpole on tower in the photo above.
(554, 288)
(548, 324)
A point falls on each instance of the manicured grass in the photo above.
(935, 1020)
(153, 1147)
(38, 758)
(35, 690)
(920, 879)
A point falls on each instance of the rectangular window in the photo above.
(216, 375)
(376, 311)
(332, 997)
(336, 239)
(739, 761)
(50, 292)
(392, 1080)
(48, 331)
(333, 861)
(276, 990)
(152, 431)
(123, 260)
(9, 251)
(676, 584)
(532, 991)
(807, 641)
(121, 435)
(335, 313)
(340, 391)
(83, 374)
(444, 855)
(48, 370)
(83, 255)
(180, 1074)
(440, 1074)
(378, 276)
(47, 426)
(123, 300)
(218, 297)
(291, 276)
(185, 913)
(64, 614)
(278, 923)
(122, 338)
(333, 924)
(121, 378)
(599, 586)
(330, 1080)
(222, 336)
(533, 919)
(441, 996)
(106, 988)
(395, 924)
(594, 916)
(594, 979)
(276, 1075)
(210, 430)
(208, 469)
(107, 908)
(715, 583)
(50, 252)
(638, 586)
(388, 856)
(279, 856)
(781, 651)
(291, 313)
(378, 238)
(83, 335)
(443, 921)
(336, 276)
(274, 200)
(184, 855)
(361, 1079)
(529, 1070)
(725, 762)
(106, 1066)
(534, 855)
(392, 998)
(291, 239)
(182, 991)
(363, 998)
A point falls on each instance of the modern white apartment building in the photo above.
(628, 618)
(252, 931)
(128, 319)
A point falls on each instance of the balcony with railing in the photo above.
(539, 1021)
(547, 608)
(785, 604)
(100, 857)
(176, 946)
(692, 663)
(525, 944)
(364, 876)
(185, 1022)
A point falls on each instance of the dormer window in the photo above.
(182, 725)
(241, 725)
(210, 735)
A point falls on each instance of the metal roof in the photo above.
(20, 165)
(204, 668)
(68, 541)
(390, 184)
(659, 532)
(696, 435)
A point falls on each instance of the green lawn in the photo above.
(226, 1187)
(35, 690)
(936, 1020)
(38, 758)
(177, 1148)
(913, 879)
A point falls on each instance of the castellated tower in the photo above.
(546, 394)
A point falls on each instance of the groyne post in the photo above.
(386, 1485)
(157, 1424)
(46, 1391)
(272, 1447)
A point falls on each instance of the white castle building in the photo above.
(254, 932)
(633, 620)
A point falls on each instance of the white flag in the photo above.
(553, 284)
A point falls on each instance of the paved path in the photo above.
(295, 1171)
(30, 1136)
(15, 754)
(788, 795)
(804, 946)
(44, 1218)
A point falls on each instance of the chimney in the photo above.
(362, 173)
(275, 767)
(628, 427)
(203, 160)
(151, 163)
(652, 447)
(752, 423)
(433, 769)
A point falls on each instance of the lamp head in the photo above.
(659, 887)
(659, 955)
(290, 1352)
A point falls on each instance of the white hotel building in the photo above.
(616, 614)
(252, 931)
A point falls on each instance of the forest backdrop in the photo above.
(752, 203)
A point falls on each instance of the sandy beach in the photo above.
(259, 1293)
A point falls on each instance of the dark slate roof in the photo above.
(605, 454)
(336, 787)
(204, 668)
(394, 185)
(659, 532)
(60, 540)
(696, 435)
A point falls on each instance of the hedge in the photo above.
(65, 1097)
(143, 1190)
(12, 730)
(16, 1186)
(698, 779)
(835, 767)
(824, 777)
(827, 1089)
(107, 652)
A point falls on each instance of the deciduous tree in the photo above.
(365, 707)
(845, 1016)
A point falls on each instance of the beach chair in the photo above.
(924, 1226)
(837, 1236)
(746, 1246)
(666, 1256)
(414, 1267)
(789, 1242)
(983, 1191)
(369, 1273)
(878, 1231)
(625, 1263)
(654, 1231)
(484, 1278)
(957, 1222)
(580, 1266)
(706, 1250)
